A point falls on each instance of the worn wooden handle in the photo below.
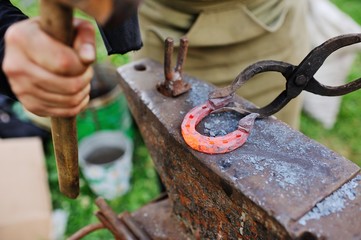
(57, 20)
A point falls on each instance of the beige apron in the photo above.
(225, 36)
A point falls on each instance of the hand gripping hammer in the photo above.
(56, 18)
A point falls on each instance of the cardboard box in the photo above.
(25, 203)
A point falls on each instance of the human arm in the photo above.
(9, 15)
(26, 45)
(118, 20)
(122, 38)
(47, 77)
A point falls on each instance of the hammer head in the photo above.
(107, 13)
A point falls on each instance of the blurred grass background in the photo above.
(344, 138)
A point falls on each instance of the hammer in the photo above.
(56, 19)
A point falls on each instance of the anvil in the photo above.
(279, 185)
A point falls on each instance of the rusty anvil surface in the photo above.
(279, 185)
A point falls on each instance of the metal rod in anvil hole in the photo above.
(174, 85)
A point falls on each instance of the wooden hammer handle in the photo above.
(57, 20)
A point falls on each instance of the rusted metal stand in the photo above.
(278, 185)
(153, 221)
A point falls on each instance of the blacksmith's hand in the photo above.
(48, 77)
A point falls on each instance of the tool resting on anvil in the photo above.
(298, 78)
(57, 20)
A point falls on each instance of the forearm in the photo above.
(123, 38)
(9, 14)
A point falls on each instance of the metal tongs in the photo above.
(298, 78)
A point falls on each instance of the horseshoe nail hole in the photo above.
(140, 67)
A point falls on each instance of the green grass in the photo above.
(351, 7)
(344, 138)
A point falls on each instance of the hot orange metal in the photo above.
(205, 144)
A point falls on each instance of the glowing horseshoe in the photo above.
(214, 145)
